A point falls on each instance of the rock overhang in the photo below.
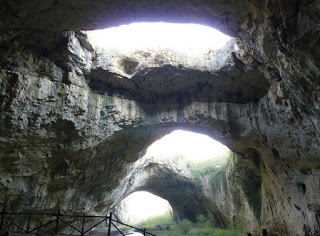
(220, 77)
(282, 130)
(158, 75)
(95, 15)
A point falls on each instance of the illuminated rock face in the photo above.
(164, 76)
(59, 130)
(224, 189)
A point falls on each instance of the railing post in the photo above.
(29, 221)
(2, 218)
(83, 222)
(109, 227)
(264, 232)
(57, 223)
(144, 232)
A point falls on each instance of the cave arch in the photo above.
(186, 196)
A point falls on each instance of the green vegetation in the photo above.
(218, 178)
(163, 220)
(203, 227)
(44, 70)
(225, 232)
(214, 169)
(60, 184)
(251, 187)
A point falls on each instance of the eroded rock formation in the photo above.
(60, 128)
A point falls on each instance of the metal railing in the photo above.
(7, 221)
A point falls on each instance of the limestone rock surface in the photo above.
(67, 118)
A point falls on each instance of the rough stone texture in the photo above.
(161, 76)
(229, 193)
(171, 180)
(57, 132)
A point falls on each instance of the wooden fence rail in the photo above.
(61, 219)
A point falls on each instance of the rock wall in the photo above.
(57, 132)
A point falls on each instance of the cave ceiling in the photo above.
(68, 118)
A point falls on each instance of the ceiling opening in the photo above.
(141, 206)
(173, 168)
(193, 147)
(191, 39)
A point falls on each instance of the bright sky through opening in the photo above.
(187, 38)
(143, 205)
(193, 146)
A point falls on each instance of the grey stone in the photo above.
(72, 127)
